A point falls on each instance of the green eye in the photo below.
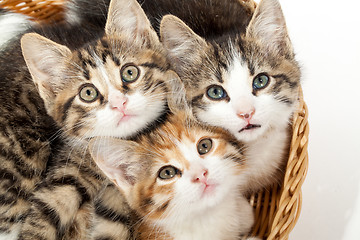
(204, 146)
(167, 172)
(216, 92)
(88, 93)
(129, 73)
(260, 81)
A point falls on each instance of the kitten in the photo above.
(246, 82)
(183, 180)
(116, 85)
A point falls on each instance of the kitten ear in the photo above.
(45, 60)
(126, 17)
(182, 43)
(177, 95)
(268, 26)
(118, 160)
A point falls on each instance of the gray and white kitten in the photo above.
(245, 81)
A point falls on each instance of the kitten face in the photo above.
(181, 168)
(248, 83)
(251, 97)
(115, 86)
(188, 179)
(112, 94)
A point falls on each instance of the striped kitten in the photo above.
(183, 180)
(114, 86)
(245, 81)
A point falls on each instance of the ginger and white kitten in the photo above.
(184, 180)
(245, 81)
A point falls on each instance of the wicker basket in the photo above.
(38, 10)
(277, 209)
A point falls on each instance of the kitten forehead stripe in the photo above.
(285, 78)
(221, 64)
(153, 65)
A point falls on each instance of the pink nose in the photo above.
(201, 177)
(118, 102)
(246, 115)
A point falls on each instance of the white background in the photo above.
(326, 38)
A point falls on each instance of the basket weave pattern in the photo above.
(276, 209)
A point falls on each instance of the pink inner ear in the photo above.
(120, 174)
(110, 171)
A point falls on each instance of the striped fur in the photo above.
(25, 141)
(180, 207)
(233, 61)
(49, 185)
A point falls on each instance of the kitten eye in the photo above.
(216, 92)
(88, 93)
(204, 146)
(167, 172)
(260, 81)
(129, 73)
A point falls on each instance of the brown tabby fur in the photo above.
(25, 139)
(32, 153)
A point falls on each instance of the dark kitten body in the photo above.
(28, 136)
(208, 18)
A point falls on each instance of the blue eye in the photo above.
(216, 92)
(261, 81)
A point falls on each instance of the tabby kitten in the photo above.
(246, 82)
(115, 86)
(183, 180)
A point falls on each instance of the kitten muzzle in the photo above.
(250, 126)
